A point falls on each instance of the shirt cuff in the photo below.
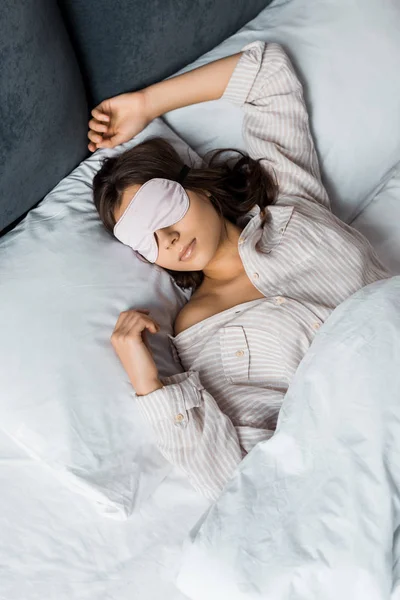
(244, 74)
(172, 402)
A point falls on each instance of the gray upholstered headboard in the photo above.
(59, 59)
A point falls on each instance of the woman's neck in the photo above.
(226, 265)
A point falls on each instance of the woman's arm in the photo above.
(192, 432)
(276, 127)
(261, 80)
(116, 120)
(199, 85)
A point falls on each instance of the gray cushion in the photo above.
(129, 44)
(43, 108)
(120, 46)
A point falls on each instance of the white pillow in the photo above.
(380, 223)
(347, 55)
(65, 397)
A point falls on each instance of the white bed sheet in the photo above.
(54, 546)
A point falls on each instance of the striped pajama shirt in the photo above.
(304, 260)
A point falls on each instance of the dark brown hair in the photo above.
(235, 188)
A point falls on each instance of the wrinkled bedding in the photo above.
(314, 512)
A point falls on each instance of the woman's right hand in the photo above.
(117, 120)
(130, 343)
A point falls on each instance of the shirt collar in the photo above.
(245, 219)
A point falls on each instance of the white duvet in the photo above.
(314, 512)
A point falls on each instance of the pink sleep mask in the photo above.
(157, 204)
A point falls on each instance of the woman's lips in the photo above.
(188, 251)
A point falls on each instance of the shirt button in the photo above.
(279, 300)
(255, 276)
(239, 353)
(282, 230)
(179, 418)
(316, 325)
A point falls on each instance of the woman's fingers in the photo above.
(99, 115)
(136, 320)
(97, 126)
(94, 137)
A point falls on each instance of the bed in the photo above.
(88, 509)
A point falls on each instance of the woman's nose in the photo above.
(173, 238)
(167, 238)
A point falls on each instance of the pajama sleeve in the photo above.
(194, 434)
(276, 125)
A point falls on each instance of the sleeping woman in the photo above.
(254, 240)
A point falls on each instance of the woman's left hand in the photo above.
(129, 342)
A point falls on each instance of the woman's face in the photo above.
(191, 243)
